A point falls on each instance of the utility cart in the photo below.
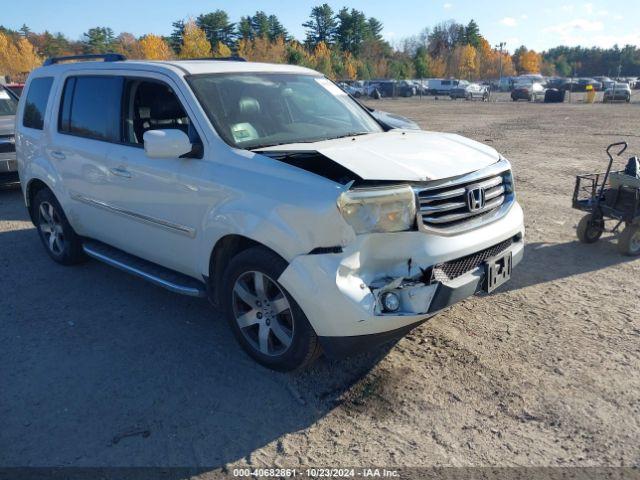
(612, 197)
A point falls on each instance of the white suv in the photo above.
(268, 190)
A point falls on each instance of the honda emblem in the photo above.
(475, 199)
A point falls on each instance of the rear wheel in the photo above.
(265, 319)
(62, 244)
(590, 229)
(629, 241)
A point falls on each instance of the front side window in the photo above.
(8, 104)
(36, 102)
(252, 110)
(153, 105)
(91, 107)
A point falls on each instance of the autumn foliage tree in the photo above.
(17, 55)
(153, 47)
(194, 42)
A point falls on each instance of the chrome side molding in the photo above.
(173, 227)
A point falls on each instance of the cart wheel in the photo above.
(590, 229)
(629, 241)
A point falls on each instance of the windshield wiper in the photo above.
(350, 134)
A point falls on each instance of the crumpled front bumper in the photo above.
(335, 290)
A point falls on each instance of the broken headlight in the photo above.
(388, 209)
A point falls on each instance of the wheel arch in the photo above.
(222, 252)
(31, 190)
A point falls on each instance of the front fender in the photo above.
(287, 229)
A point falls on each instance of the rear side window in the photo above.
(91, 107)
(36, 103)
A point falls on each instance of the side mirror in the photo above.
(168, 143)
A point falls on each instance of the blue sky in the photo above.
(539, 24)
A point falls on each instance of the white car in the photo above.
(617, 92)
(268, 190)
(8, 105)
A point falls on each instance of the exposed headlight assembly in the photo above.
(384, 209)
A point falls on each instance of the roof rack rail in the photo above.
(224, 59)
(107, 57)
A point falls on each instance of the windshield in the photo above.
(8, 104)
(252, 110)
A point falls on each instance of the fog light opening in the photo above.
(390, 302)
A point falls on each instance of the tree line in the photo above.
(343, 44)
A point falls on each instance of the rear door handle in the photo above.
(121, 172)
(58, 155)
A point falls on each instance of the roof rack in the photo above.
(224, 59)
(107, 57)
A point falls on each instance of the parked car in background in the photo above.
(441, 86)
(268, 190)
(351, 89)
(8, 107)
(15, 88)
(470, 91)
(580, 84)
(620, 92)
(605, 82)
(556, 82)
(531, 91)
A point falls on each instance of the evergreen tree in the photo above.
(98, 40)
(472, 34)
(217, 27)
(321, 26)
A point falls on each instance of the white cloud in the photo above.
(589, 33)
(509, 22)
(567, 8)
(524, 16)
(447, 6)
(588, 8)
(576, 25)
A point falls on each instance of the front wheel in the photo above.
(629, 241)
(590, 229)
(62, 244)
(265, 319)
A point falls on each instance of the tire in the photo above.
(276, 332)
(589, 230)
(629, 241)
(58, 237)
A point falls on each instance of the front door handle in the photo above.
(58, 155)
(121, 172)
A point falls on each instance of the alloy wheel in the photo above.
(50, 225)
(263, 313)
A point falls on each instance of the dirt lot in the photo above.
(101, 369)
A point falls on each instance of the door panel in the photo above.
(158, 204)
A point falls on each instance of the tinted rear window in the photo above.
(36, 103)
(91, 107)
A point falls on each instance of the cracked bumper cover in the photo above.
(333, 289)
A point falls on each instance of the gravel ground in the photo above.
(102, 369)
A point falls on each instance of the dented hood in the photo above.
(402, 155)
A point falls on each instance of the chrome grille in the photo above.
(447, 207)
